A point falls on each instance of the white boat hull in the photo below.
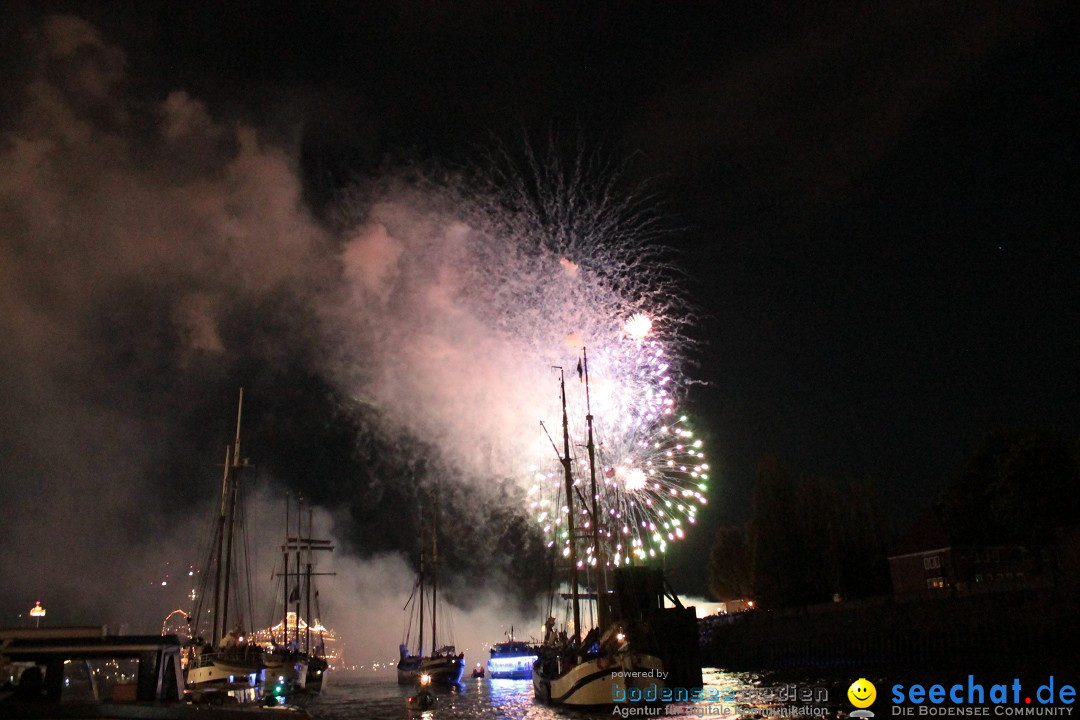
(241, 677)
(602, 682)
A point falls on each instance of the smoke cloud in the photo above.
(134, 233)
(154, 257)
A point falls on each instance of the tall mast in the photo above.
(299, 526)
(220, 552)
(307, 588)
(232, 480)
(420, 644)
(434, 573)
(568, 479)
(598, 551)
(305, 548)
(285, 579)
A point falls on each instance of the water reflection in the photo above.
(751, 695)
(725, 694)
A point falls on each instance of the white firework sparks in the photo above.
(472, 297)
(651, 471)
(623, 306)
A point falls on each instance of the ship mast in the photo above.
(569, 482)
(434, 574)
(304, 547)
(420, 615)
(598, 550)
(299, 550)
(226, 527)
(307, 589)
(285, 580)
(220, 551)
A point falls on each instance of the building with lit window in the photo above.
(927, 562)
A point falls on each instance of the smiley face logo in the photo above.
(862, 693)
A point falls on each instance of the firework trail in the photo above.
(482, 292)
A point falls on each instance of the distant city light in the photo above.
(37, 612)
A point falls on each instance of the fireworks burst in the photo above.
(651, 472)
(472, 296)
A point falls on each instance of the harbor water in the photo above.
(384, 699)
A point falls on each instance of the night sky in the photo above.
(874, 205)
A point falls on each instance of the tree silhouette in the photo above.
(810, 539)
(729, 564)
(1017, 486)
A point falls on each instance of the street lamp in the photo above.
(37, 612)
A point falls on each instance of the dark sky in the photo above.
(877, 201)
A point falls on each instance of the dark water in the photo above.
(345, 699)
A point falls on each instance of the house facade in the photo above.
(927, 562)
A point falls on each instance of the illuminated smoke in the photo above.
(482, 292)
(155, 256)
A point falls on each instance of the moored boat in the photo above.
(286, 672)
(325, 650)
(229, 664)
(445, 665)
(296, 661)
(234, 669)
(512, 659)
(627, 658)
(606, 679)
(317, 669)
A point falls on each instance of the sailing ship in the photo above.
(637, 643)
(444, 665)
(297, 662)
(228, 663)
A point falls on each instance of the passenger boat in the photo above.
(512, 659)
